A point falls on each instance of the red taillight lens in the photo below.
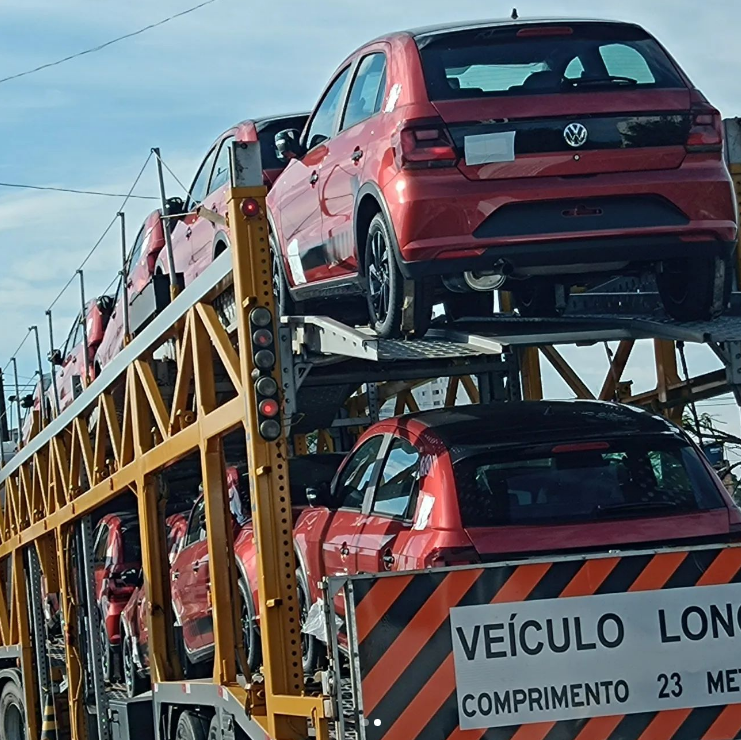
(448, 556)
(706, 130)
(425, 145)
(542, 31)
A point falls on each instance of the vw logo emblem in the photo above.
(575, 134)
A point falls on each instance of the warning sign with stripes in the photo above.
(640, 646)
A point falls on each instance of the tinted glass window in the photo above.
(494, 62)
(101, 545)
(358, 473)
(196, 530)
(74, 338)
(397, 487)
(266, 136)
(623, 478)
(200, 184)
(366, 93)
(136, 250)
(132, 551)
(221, 168)
(322, 125)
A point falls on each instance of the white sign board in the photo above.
(592, 656)
(488, 148)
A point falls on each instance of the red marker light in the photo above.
(250, 208)
(262, 338)
(269, 407)
(581, 447)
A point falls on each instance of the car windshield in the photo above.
(493, 61)
(583, 482)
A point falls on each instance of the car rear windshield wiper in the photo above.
(635, 508)
(597, 81)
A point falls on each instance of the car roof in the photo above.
(528, 421)
(502, 23)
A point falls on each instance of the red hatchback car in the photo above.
(197, 241)
(116, 564)
(486, 483)
(141, 261)
(531, 155)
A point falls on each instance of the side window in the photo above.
(625, 61)
(221, 168)
(358, 473)
(322, 124)
(198, 189)
(196, 530)
(397, 488)
(136, 250)
(367, 91)
(101, 546)
(74, 338)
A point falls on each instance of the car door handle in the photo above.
(196, 566)
(314, 178)
(188, 232)
(357, 155)
(388, 560)
(344, 550)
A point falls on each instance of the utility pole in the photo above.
(4, 435)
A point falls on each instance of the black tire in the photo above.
(311, 648)
(695, 289)
(106, 651)
(284, 304)
(135, 683)
(385, 287)
(250, 632)
(191, 726)
(12, 713)
(191, 669)
(214, 731)
(468, 305)
(537, 299)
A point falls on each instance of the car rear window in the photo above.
(266, 136)
(595, 481)
(486, 62)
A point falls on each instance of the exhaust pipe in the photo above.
(488, 280)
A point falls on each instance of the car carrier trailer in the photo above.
(412, 654)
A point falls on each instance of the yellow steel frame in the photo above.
(77, 471)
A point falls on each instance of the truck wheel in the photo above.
(191, 727)
(385, 286)
(537, 299)
(695, 289)
(12, 713)
(251, 635)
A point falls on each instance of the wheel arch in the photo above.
(369, 201)
(221, 243)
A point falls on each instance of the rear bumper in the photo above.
(445, 223)
(562, 258)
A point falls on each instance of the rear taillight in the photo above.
(706, 127)
(425, 145)
(580, 447)
(446, 556)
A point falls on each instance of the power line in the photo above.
(103, 235)
(73, 190)
(107, 43)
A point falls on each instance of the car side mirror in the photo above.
(288, 145)
(55, 357)
(319, 495)
(27, 401)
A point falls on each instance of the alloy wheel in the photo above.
(379, 277)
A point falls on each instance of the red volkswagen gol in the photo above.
(491, 483)
(530, 155)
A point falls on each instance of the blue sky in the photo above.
(90, 123)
